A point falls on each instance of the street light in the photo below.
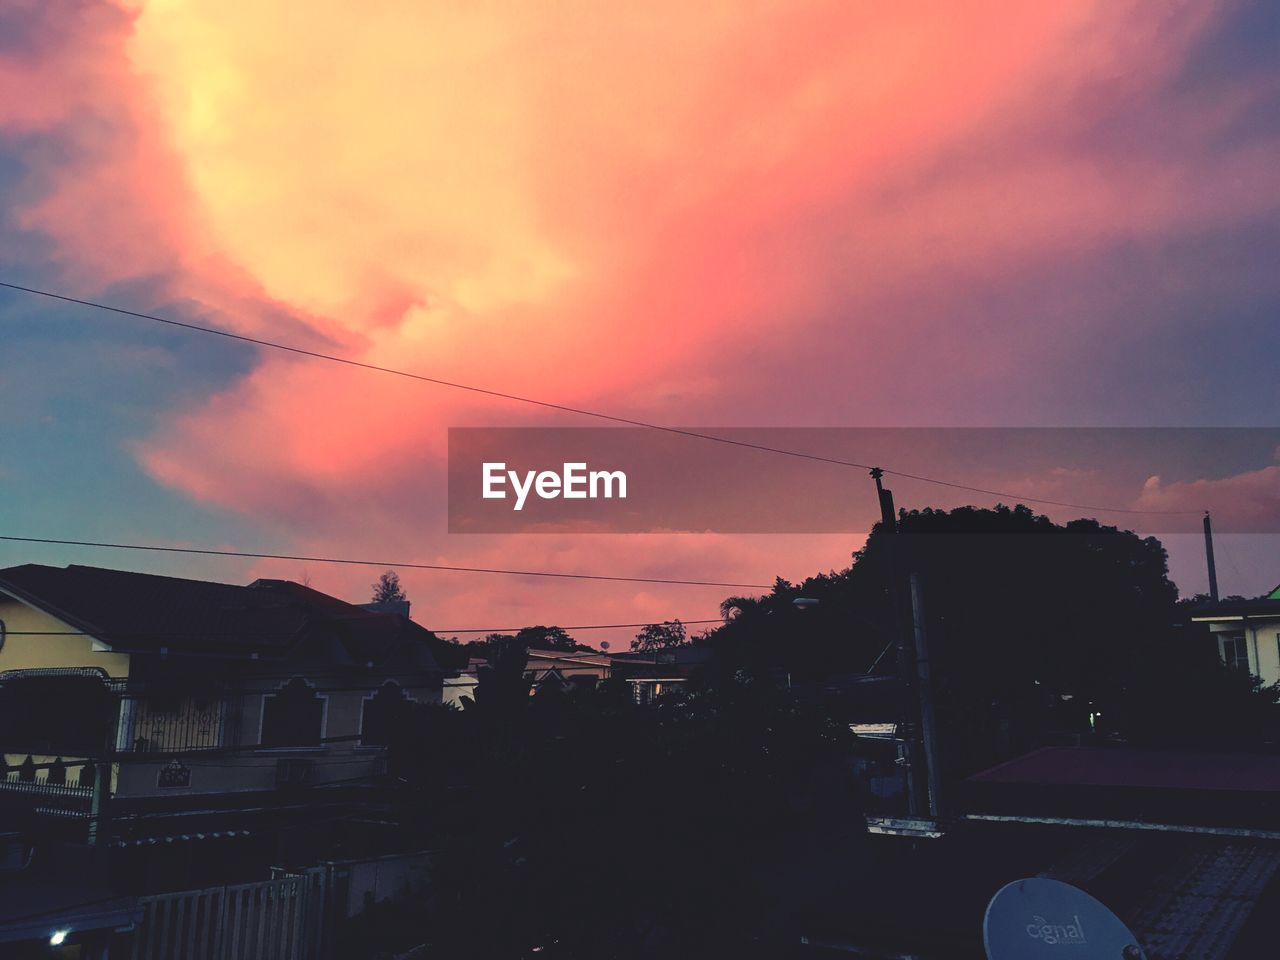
(58, 937)
(804, 603)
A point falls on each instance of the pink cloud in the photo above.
(1247, 502)
(631, 209)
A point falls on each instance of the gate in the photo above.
(278, 919)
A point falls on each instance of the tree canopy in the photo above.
(388, 588)
(1033, 626)
(593, 828)
(660, 636)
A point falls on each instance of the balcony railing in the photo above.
(92, 716)
(176, 724)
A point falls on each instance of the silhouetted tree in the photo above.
(593, 828)
(388, 588)
(660, 636)
(547, 638)
(502, 689)
(1033, 626)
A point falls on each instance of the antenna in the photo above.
(1037, 917)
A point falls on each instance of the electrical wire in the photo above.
(577, 411)
(436, 630)
(389, 564)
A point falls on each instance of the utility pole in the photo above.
(888, 516)
(924, 793)
(901, 632)
(1208, 556)
(928, 723)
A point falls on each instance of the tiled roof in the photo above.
(142, 612)
(1268, 606)
(1195, 903)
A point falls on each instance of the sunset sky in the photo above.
(721, 214)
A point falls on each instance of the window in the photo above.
(383, 713)
(294, 717)
(1235, 653)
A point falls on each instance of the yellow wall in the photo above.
(21, 652)
(24, 652)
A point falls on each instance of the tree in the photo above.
(660, 636)
(720, 821)
(1033, 626)
(388, 588)
(547, 638)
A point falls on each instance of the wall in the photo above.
(455, 688)
(254, 769)
(22, 652)
(1263, 636)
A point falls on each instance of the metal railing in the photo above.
(70, 799)
(88, 717)
(176, 723)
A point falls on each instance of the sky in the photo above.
(766, 214)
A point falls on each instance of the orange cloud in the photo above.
(560, 203)
(586, 204)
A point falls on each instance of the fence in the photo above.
(45, 797)
(279, 919)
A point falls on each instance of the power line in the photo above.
(382, 563)
(578, 411)
(160, 635)
(588, 626)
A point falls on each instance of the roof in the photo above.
(687, 653)
(1268, 606)
(1135, 767)
(581, 657)
(1182, 895)
(1199, 897)
(143, 612)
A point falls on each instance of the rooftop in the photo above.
(1235, 607)
(143, 612)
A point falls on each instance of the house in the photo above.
(462, 685)
(544, 670)
(1247, 633)
(128, 698)
(563, 670)
(651, 673)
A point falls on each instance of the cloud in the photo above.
(570, 205)
(1246, 502)
(651, 209)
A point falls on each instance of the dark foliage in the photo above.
(388, 588)
(660, 636)
(1035, 629)
(720, 818)
(527, 638)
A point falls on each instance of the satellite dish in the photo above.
(1042, 918)
(604, 644)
